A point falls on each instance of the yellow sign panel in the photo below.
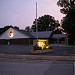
(43, 44)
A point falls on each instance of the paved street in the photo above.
(36, 68)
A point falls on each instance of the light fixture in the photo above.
(11, 34)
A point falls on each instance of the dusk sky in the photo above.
(21, 13)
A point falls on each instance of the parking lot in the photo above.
(58, 50)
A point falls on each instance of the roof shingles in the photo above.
(43, 34)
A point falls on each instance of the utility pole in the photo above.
(36, 22)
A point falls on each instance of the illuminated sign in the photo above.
(43, 44)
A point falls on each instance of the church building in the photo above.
(16, 36)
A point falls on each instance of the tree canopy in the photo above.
(68, 22)
(27, 28)
(45, 23)
(66, 5)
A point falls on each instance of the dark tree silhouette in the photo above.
(16, 27)
(68, 22)
(66, 5)
(45, 23)
(1, 31)
(27, 28)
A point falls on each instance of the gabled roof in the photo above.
(17, 34)
(59, 36)
(26, 33)
(43, 34)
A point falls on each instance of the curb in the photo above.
(36, 57)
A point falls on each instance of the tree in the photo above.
(68, 22)
(16, 27)
(27, 28)
(67, 5)
(1, 31)
(58, 30)
(45, 23)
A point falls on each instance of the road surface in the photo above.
(36, 68)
